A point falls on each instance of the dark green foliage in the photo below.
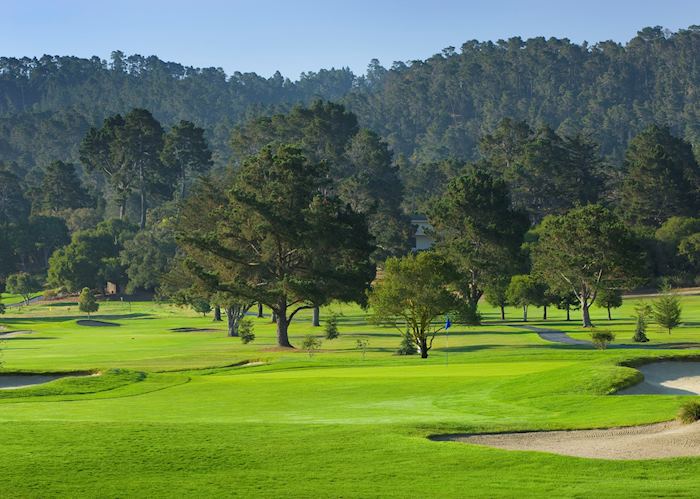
(87, 302)
(92, 257)
(22, 284)
(667, 310)
(525, 290)
(186, 152)
(359, 162)
(601, 339)
(245, 330)
(689, 412)
(585, 250)
(148, 256)
(495, 293)
(643, 313)
(407, 345)
(201, 306)
(609, 298)
(61, 189)
(478, 232)
(662, 178)
(290, 244)
(331, 327)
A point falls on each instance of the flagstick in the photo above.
(447, 349)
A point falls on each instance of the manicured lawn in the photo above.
(174, 420)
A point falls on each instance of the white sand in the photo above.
(638, 442)
(15, 381)
(667, 378)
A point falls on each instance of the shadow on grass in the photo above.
(66, 318)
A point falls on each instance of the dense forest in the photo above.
(426, 110)
(109, 169)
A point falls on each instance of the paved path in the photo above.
(556, 336)
(29, 302)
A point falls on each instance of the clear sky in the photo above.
(301, 35)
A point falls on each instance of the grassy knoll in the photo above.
(174, 420)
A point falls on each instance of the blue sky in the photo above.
(295, 36)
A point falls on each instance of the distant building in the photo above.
(421, 233)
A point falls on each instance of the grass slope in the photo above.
(175, 421)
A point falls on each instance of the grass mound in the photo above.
(689, 412)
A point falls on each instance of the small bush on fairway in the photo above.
(87, 302)
(689, 412)
(601, 339)
(643, 312)
(245, 330)
(311, 344)
(332, 327)
(362, 345)
(407, 346)
(667, 310)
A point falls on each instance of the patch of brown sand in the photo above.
(12, 334)
(655, 441)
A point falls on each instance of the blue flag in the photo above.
(447, 322)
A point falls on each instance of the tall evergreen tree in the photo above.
(186, 152)
(61, 188)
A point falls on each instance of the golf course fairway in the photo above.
(199, 414)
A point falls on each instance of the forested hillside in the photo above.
(426, 110)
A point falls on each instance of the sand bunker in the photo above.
(667, 378)
(15, 381)
(94, 323)
(14, 334)
(195, 330)
(656, 441)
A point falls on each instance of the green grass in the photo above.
(183, 415)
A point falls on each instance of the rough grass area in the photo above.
(194, 414)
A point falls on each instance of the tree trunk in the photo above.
(423, 348)
(315, 318)
(122, 209)
(503, 313)
(274, 317)
(217, 313)
(524, 313)
(585, 314)
(609, 316)
(233, 322)
(282, 325)
(568, 313)
(183, 179)
(544, 315)
(142, 222)
(260, 310)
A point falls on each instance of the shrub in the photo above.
(601, 339)
(643, 312)
(407, 346)
(689, 412)
(245, 330)
(331, 327)
(87, 302)
(362, 345)
(311, 344)
(667, 310)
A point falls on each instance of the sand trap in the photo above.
(667, 378)
(94, 323)
(195, 330)
(656, 441)
(13, 334)
(15, 381)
